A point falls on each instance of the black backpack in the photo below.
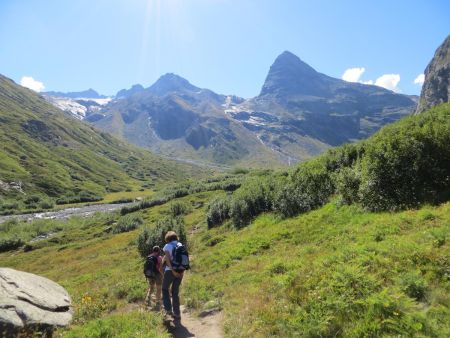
(151, 266)
(180, 258)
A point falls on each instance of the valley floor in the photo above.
(335, 271)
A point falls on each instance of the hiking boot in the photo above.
(168, 314)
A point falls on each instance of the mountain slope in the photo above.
(180, 120)
(46, 151)
(436, 88)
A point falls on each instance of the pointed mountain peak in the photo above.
(169, 83)
(288, 74)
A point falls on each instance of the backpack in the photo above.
(151, 266)
(180, 258)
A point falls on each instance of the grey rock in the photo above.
(436, 88)
(28, 300)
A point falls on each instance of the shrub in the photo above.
(218, 211)
(82, 197)
(8, 244)
(347, 181)
(149, 237)
(408, 163)
(310, 186)
(46, 204)
(32, 200)
(255, 196)
(178, 209)
(127, 223)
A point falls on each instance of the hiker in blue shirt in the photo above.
(172, 279)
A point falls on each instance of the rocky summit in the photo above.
(436, 88)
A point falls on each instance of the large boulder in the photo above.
(31, 302)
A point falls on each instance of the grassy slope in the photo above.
(101, 271)
(56, 155)
(333, 271)
(330, 272)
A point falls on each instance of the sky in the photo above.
(224, 45)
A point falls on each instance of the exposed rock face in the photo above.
(28, 301)
(436, 88)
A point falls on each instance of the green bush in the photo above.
(178, 209)
(32, 200)
(408, 163)
(309, 187)
(82, 197)
(255, 196)
(149, 237)
(127, 223)
(46, 204)
(347, 181)
(8, 244)
(218, 211)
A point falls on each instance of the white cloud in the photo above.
(29, 82)
(353, 74)
(420, 79)
(389, 81)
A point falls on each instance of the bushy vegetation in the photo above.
(178, 209)
(83, 196)
(227, 183)
(151, 236)
(218, 211)
(14, 233)
(404, 165)
(25, 203)
(127, 223)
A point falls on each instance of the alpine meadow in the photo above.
(292, 204)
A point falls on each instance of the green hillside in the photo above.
(48, 153)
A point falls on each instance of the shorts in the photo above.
(155, 280)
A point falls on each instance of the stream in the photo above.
(66, 213)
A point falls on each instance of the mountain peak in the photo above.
(288, 74)
(169, 83)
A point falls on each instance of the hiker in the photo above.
(153, 274)
(176, 260)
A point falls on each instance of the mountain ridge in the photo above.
(298, 113)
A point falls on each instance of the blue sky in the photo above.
(225, 45)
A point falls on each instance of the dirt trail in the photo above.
(208, 326)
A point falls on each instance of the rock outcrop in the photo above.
(436, 88)
(31, 303)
